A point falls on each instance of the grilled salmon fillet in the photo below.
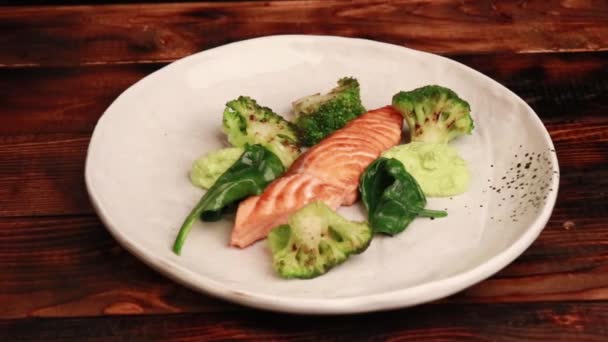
(327, 172)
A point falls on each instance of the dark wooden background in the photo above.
(62, 277)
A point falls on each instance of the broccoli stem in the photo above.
(188, 222)
(432, 213)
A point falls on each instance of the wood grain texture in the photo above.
(560, 87)
(61, 100)
(71, 266)
(43, 175)
(75, 35)
(496, 322)
(64, 278)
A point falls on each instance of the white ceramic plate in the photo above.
(143, 146)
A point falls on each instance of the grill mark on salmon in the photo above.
(362, 141)
(351, 164)
(336, 151)
(371, 135)
(373, 131)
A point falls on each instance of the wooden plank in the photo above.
(43, 175)
(70, 100)
(75, 35)
(72, 266)
(513, 322)
(61, 100)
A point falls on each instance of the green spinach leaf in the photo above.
(392, 197)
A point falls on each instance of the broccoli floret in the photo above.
(315, 239)
(434, 114)
(319, 115)
(246, 122)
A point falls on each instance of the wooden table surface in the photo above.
(63, 277)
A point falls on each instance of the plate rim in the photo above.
(388, 300)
